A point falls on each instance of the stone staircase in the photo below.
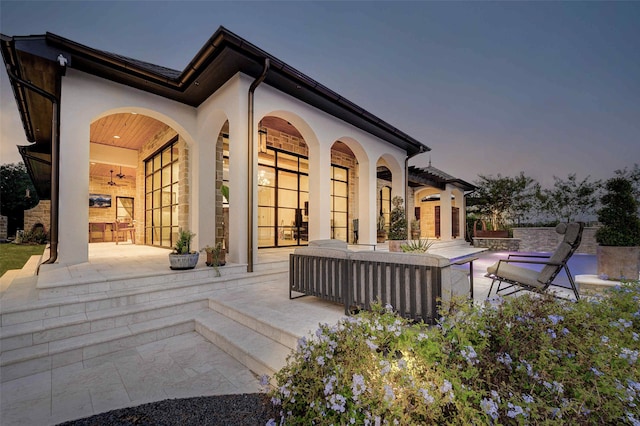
(97, 318)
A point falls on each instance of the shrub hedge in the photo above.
(524, 360)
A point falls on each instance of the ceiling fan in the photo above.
(120, 175)
(111, 182)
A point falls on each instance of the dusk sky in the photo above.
(500, 87)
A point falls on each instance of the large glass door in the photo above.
(283, 199)
(161, 197)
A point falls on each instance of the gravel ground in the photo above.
(246, 409)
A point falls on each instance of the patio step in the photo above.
(257, 352)
(259, 346)
(47, 309)
(34, 333)
(45, 321)
(268, 329)
(46, 356)
(64, 287)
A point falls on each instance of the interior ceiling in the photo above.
(134, 130)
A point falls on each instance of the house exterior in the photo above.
(153, 147)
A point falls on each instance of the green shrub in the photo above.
(37, 236)
(416, 246)
(526, 360)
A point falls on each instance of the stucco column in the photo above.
(397, 185)
(319, 192)
(445, 213)
(203, 185)
(238, 165)
(73, 217)
(462, 212)
(368, 203)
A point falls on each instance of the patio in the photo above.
(187, 356)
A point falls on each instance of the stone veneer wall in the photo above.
(547, 239)
(4, 224)
(40, 214)
(498, 244)
(221, 217)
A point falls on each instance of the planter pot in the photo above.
(415, 235)
(381, 237)
(394, 245)
(220, 261)
(183, 261)
(619, 262)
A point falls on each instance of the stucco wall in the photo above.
(87, 98)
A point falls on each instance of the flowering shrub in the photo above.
(525, 360)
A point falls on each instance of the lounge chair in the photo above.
(520, 278)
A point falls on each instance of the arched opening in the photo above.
(344, 193)
(433, 222)
(383, 194)
(283, 184)
(137, 179)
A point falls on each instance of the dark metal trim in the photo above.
(55, 161)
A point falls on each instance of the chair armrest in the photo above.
(529, 255)
(533, 262)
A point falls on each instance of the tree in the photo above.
(570, 199)
(398, 226)
(14, 183)
(619, 215)
(633, 176)
(503, 200)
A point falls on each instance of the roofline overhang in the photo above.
(135, 74)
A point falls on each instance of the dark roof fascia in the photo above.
(10, 58)
(41, 181)
(421, 175)
(221, 39)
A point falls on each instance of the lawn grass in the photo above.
(14, 256)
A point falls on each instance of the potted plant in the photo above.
(398, 226)
(618, 251)
(415, 229)
(216, 255)
(381, 233)
(182, 257)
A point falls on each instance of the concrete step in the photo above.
(259, 353)
(46, 309)
(34, 333)
(83, 286)
(46, 356)
(265, 328)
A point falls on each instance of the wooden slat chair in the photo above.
(126, 229)
(518, 278)
(97, 231)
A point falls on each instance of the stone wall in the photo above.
(498, 244)
(40, 214)
(4, 223)
(547, 239)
